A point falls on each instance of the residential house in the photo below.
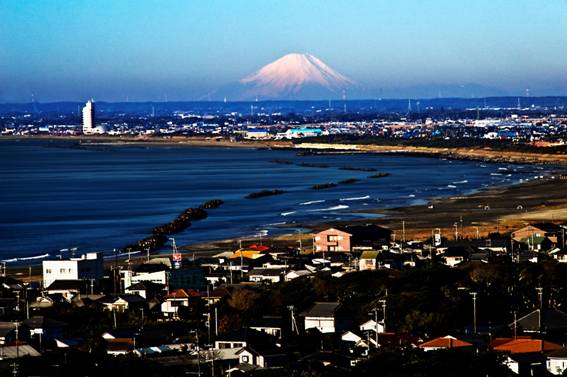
(271, 325)
(551, 231)
(368, 236)
(455, 255)
(244, 337)
(526, 364)
(263, 357)
(332, 240)
(294, 274)
(66, 288)
(323, 316)
(152, 272)
(368, 260)
(145, 289)
(556, 362)
(523, 345)
(265, 275)
(539, 237)
(445, 342)
(86, 267)
(121, 303)
(187, 277)
(371, 325)
(175, 299)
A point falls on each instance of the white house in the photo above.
(368, 260)
(264, 357)
(557, 361)
(271, 325)
(174, 300)
(147, 272)
(297, 274)
(372, 326)
(87, 266)
(265, 274)
(321, 316)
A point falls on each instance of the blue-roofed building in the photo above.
(294, 133)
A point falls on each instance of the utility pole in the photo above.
(375, 312)
(198, 356)
(515, 327)
(216, 322)
(473, 294)
(403, 234)
(209, 314)
(294, 327)
(383, 314)
(540, 297)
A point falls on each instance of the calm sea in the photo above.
(55, 196)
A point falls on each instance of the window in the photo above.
(245, 358)
(48, 271)
(332, 238)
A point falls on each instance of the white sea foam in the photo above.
(355, 198)
(287, 213)
(334, 208)
(460, 182)
(311, 202)
(21, 259)
(451, 186)
(279, 223)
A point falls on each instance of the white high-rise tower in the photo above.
(88, 118)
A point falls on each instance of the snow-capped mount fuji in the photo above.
(294, 76)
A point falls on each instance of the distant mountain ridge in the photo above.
(294, 76)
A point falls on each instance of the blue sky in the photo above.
(147, 50)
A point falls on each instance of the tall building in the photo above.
(88, 118)
(87, 266)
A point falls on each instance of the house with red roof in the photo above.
(523, 345)
(445, 342)
(177, 298)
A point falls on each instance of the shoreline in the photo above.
(419, 218)
(456, 153)
(488, 210)
(543, 201)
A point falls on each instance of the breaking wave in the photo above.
(355, 198)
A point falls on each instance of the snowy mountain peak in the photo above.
(293, 74)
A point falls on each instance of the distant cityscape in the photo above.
(541, 125)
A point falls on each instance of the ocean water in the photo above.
(55, 196)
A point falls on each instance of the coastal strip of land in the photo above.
(474, 153)
(492, 210)
(458, 153)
